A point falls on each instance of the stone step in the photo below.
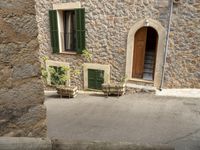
(149, 53)
(135, 88)
(149, 58)
(148, 66)
(148, 76)
(148, 61)
(140, 82)
(146, 70)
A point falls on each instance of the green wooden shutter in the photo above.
(54, 31)
(91, 79)
(95, 79)
(80, 30)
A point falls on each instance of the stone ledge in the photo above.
(65, 6)
(48, 144)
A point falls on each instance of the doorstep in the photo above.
(135, 88)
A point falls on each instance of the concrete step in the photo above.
(149, 53)
(146, 70)
(149, 57)
(148, 62)
(140, 88)
(148, 76)
(140, 82)
(148, 66)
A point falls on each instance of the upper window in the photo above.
(67, 30)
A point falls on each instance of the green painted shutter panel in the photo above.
(91, 79)
(54, 31)
(80, 29)
(95, 79)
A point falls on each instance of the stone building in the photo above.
(127, 38)
(21, 91)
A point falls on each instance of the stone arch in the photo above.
(160, 48)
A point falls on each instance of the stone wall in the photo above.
(183, 67)
(108, 24)
(21, 91)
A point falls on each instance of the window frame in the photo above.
(79, 30)
(95, 66)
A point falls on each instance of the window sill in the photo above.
(69, 53)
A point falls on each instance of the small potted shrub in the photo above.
(60, 80)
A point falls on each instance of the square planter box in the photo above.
(117, 89)
(67, 91)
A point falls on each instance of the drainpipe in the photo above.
(167, 42)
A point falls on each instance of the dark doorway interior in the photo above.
(150, 54)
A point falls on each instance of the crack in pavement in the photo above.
(183, 137)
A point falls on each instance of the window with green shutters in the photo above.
(72, 36)
(95, 79)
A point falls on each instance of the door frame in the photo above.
(160, 48)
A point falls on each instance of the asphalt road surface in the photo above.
(139, 118)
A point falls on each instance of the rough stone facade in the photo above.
(108, 24)
(21, 91)
(183, 67)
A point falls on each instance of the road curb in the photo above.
(25, 143)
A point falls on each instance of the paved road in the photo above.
(132, 118)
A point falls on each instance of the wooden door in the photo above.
(139, 53)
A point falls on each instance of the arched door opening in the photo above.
(144, 53)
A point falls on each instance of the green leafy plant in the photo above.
(58, 75)
(44, 73)
(87, 55)
(123, 79)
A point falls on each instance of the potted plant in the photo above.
(116, 89)
(60, 80)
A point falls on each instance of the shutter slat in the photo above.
(54, 30)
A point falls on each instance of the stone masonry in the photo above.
(108, 23)
(183, 67)
(21, 91)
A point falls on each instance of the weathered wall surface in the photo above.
(183, 67)
(21, 91)
(108, 24)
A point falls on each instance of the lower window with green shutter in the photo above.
(95, 79)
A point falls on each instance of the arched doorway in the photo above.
(144, 53)
(161, 36)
